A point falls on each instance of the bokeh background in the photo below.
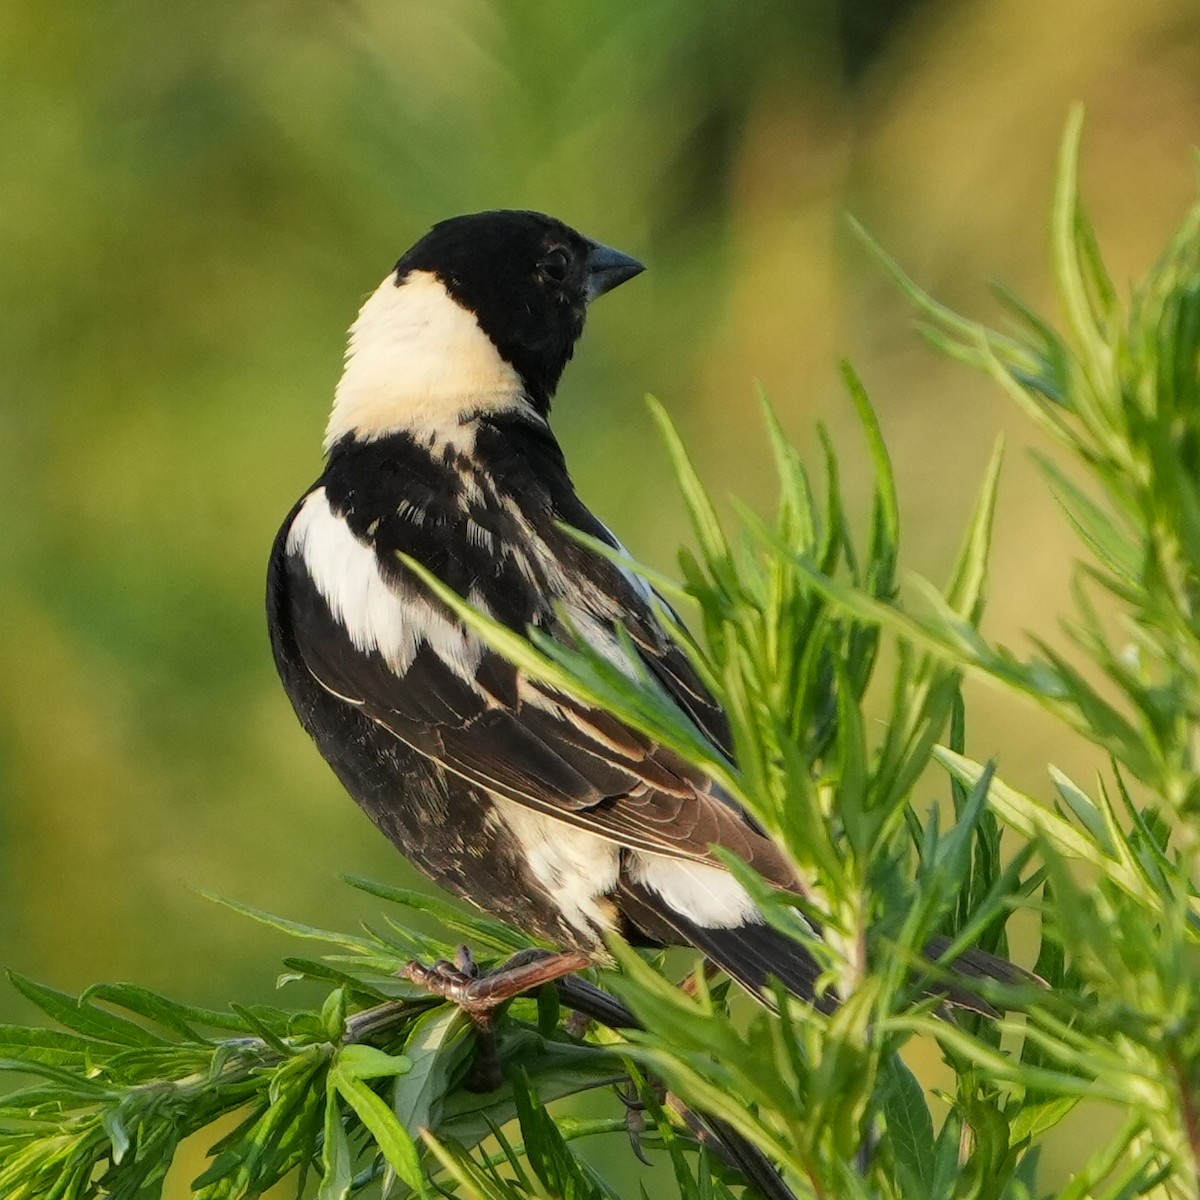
(196, 197)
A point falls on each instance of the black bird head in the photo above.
(528, 280)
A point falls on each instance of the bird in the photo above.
(535, 806)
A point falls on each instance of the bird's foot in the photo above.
(461, 983)
(480, 996)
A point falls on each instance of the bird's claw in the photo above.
(464, 960)
(635, 1126)
(628, 1095)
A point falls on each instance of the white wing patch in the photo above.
(346, 573)
(417, 360)
(709, 896)
(578, 869)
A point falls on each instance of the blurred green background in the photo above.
(197, 196)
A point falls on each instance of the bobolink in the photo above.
(547, 812)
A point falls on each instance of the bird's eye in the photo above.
(554, 264)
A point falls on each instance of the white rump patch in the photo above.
(347, 575)
(418, 360)
(578, 869)
(709, 896)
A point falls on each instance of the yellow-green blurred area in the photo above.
(195, 198)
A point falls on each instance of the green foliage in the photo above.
(839, 748)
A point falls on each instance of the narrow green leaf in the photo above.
(965, 592)
(1086, 812)
(909, 1124)
(21, 1043)
(360, 1061)
(1065, 242)
(83, 1017)
(1031, 819)
(296, 928)
(180, 1018)
(700, 508)
(468, 1175)
(1098, 529)
(436, 1047)
(337, 1171)
(390, 1136)
(481, 930)
(885, 531)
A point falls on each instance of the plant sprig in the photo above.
(370, 1092)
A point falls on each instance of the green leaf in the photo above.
(180, 1018)
(390, 1136)
(477, 1182)
(359, 1061)
(909, 1124)
(885, 525)
(1036, 1120)
(333, 1015)
(1067, 226)
(82, 1017)
(1100, 531)
(23, 1044)
(295, 928)
(1088, 815)
(705, 522)
(965, 592)
(307, 968)
(336, 1162)
(436, 1048)
(481, 930)
(1030, 819)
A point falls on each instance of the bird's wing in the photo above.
(443, 692)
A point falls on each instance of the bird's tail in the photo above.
(754, 952)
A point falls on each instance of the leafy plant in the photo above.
(374, 1090)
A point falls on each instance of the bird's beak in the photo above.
(608, 268)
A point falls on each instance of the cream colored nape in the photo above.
(417, 360)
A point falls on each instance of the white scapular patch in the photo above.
(347, 575)
(578, 869)
(418, 360)
(709, 896)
